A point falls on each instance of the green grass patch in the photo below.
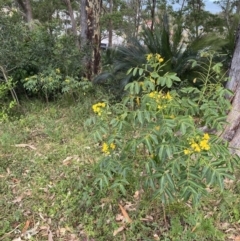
(47, 168)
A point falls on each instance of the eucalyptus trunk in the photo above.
(90, 35)
(232, 130)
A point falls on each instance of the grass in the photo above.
(47, 164)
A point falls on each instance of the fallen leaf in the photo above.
(119, 217)
(148, 218)
(68, 160)
(17, 239)
(26, 145)
(125, 214)
(156, 237)
(25, 228)
(15, 180)
(31, 232)
(120, 229)
(136, 195)
(129, 207)
(62, 231)
(18, 199)
(237, 238)
(28, 192)
(50, 236)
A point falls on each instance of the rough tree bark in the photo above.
(232, 130)
(25, 5)
(90, 35)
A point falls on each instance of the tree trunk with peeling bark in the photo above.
(232, 130)
(90, 35)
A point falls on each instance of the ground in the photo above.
(47, 160)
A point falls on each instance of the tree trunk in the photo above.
(27, 11)
(232, 130)
(153, 13)
(83, 23)
(74, 26)
(110, 27)
(90, 35)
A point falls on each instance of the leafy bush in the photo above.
(166, 40)
(26, 53)
(6, 106)
(153, 140)
(52, 82)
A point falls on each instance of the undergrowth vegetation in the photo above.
(85, 168)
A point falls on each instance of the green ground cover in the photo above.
(47, 190)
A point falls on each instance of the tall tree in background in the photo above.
(134, 15)
(73, 22)
(153, 6)
(26, 8)
(90, 35)
(113, 19)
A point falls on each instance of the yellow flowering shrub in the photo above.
(158, 144)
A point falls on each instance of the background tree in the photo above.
(73, 22)
(90, 35)
(26, 7)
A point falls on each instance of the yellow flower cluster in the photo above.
(58, 71)
(107, 148)
(159, 95)
(199, 145)
(155, 57)
(97, 108)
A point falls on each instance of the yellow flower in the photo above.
(152, 94)
(157, 128)
(195, 147)
(105, 148)
(187, 152)
(160, 60)
(168, 96)
(206, 136)
(149, 57)
(58, 71)
(97, 108)
(204, 145)
(67, 80)
(112, 146)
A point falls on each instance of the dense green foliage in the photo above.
(79, 163)
(152, 139)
